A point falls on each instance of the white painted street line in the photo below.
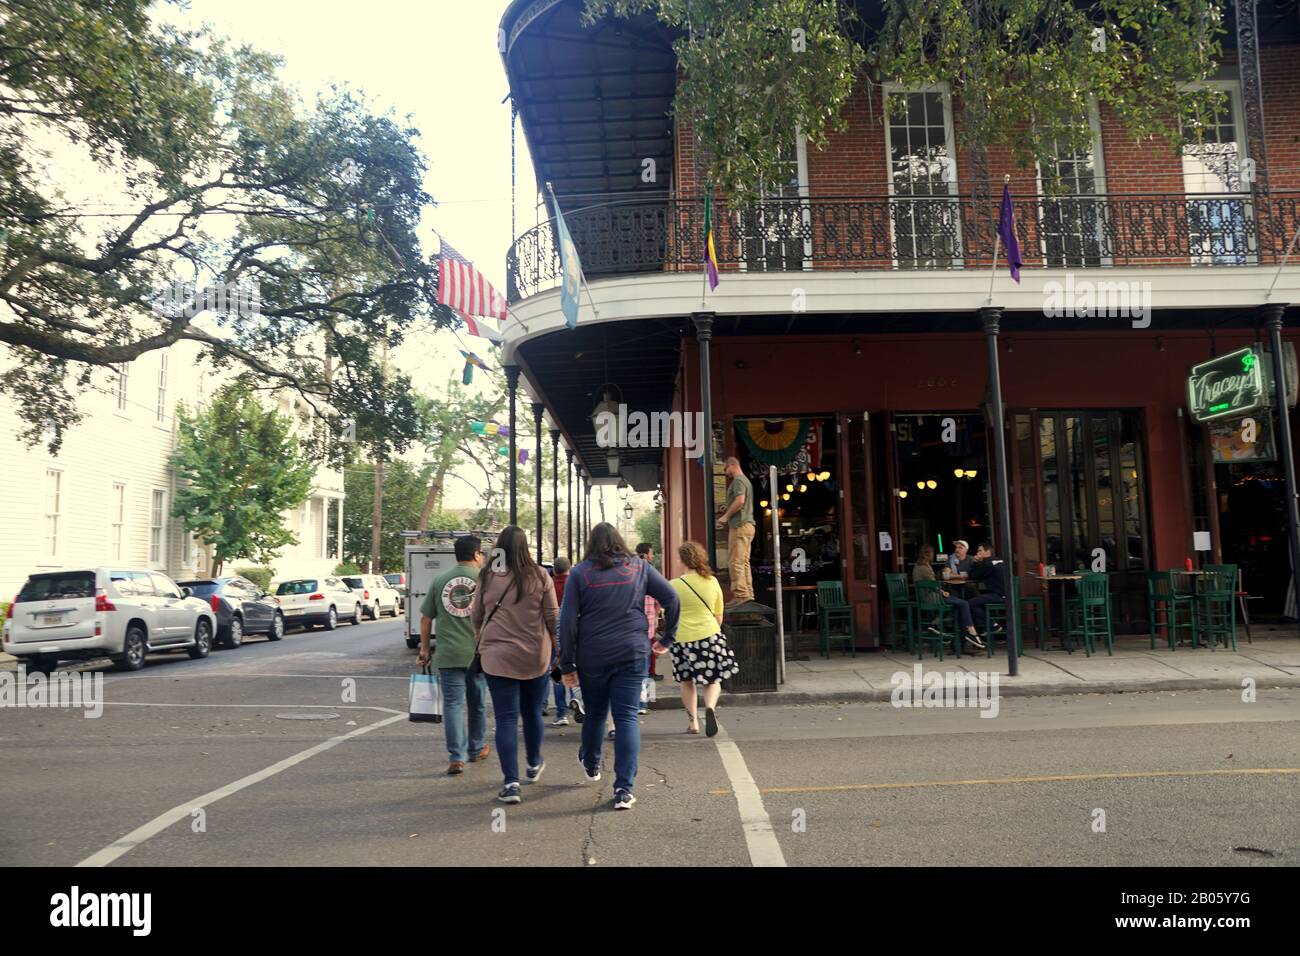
(155, 826)
(131, 703)
(760, 838)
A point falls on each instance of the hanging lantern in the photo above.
(803, 487)
(627, 511)
(824, 476)
(932, 484)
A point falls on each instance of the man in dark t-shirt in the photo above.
(992, 572)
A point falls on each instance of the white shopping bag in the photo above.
(649, 693)
(426, 697)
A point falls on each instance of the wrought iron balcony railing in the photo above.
(922, 232)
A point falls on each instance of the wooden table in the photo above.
(1066, 640)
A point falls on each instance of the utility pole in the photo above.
(376, 531)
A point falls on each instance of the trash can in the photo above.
(754, 645)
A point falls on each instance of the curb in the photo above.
(1006, 688)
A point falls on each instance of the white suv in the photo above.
(104, 612)
(323, 601)
(377, 595)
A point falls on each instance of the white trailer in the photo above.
(428, 554)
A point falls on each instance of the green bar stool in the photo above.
(901, 603)
(997, 615)
(832, 611)
(1089, 615)
(1216, 618)
(1039, 607)
(933, 611)
(1168, 607)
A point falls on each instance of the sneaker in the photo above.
(510, 794)
(579, 711)
(710, 722)
(481, 755)
(531, 774)
(623, 800)
(934, 630)
(591, 778)
(455, 767)
(657, 676)
(611, 733)
(974, 641)
(560, 721)
(641, 708)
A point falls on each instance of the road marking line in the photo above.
(760, 838)
(1057, 778)
(139, 835)
(131, 703)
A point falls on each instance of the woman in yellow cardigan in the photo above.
(700, 653)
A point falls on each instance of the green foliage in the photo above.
(750, 80)
(261, 576)
(347, 567)
(224, 177)
(1024, 70)
(405, 488)
(239, 470)
(649, 528)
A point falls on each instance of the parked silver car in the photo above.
(122, 614)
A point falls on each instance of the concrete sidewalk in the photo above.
(1272, 660)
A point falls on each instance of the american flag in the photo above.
(463, 288)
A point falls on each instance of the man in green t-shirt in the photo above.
(447, 602)
(738, 519)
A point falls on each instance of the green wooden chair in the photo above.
(833, 611)
(1168, 607)
(997, 617)
(932, 611)
(1089, 612)
(1215, 616)
(1038, 605)
(901, 604)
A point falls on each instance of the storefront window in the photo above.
(1051, 490)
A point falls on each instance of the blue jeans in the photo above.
(457, 688)
(963, 610)
(977, 608)
(512, 699)
(616, 689)
(561, 698)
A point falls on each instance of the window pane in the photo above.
(1105, 502)
(1051, 490)
(1130, 485)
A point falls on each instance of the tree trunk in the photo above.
(430, 499)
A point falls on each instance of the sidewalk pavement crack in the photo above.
(663, 777)
(589, 843)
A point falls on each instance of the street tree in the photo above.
(405, 486)
(755, 71)
(239, 468)
(279, 236)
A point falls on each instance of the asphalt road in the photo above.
(200, 763)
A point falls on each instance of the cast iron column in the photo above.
(991, 317)
(512, 387)
(568, 501)
(703, 333)
(586, 511)
(1271, 313)
(538, 408)
(555, 493)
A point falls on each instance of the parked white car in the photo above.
(377, 595)
(306, 602)
(121, 614)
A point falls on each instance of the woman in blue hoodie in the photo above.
(603, 648)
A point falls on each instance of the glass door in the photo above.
(1218, 212)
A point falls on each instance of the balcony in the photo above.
(921, 233)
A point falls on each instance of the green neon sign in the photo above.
(1227, 385)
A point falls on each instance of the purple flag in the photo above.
(1007, 232)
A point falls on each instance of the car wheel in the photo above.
(202, 640)
(236, 635)
(332, 620)
(377, 612)
(277, 627)
(412, 642)
(356, 615)
(38, 665)
(133, 649)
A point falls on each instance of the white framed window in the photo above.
(157, 528)
(776, 234)
(52, 513)
(117, 521)
(919, 145)
(123, 374)
(1072, 223)
(1214, 179)
(162, 387)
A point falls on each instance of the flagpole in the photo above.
(997, 242)
(582, 277)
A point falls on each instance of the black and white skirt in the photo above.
(704, 662)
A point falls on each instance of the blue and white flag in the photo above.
(570, 268)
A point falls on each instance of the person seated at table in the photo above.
(959, 564)
(923, 570)
(992, 573)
